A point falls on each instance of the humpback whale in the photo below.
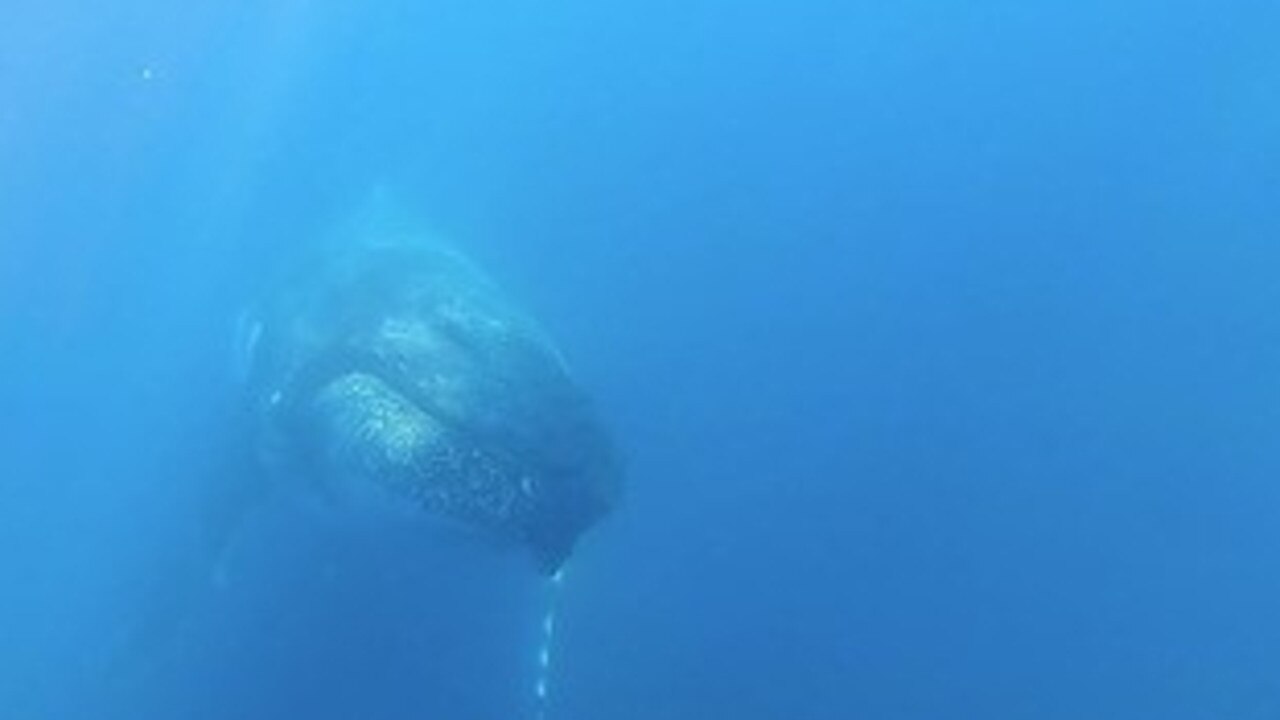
(390, 370)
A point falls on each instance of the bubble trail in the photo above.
(543, 676)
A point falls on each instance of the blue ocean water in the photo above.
(942, 342)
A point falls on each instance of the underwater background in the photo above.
(942, 341)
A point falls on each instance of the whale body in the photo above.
(390, 368)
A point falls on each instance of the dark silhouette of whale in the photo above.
(390, 369)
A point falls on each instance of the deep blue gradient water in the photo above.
(942, 341)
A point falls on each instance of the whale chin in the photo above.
(378, 449)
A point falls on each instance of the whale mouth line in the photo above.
(370, 369)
